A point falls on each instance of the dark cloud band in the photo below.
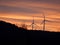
(47, 1)
(10, 9)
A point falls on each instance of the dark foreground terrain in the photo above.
(12, 35)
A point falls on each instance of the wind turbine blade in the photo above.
(42, 22)
(37, 25)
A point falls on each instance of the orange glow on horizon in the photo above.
(18, 12)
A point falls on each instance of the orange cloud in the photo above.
(18, 12)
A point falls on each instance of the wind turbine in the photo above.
(43, 22)
(33, 23)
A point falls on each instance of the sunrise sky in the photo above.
(22, 11)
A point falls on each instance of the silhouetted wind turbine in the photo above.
(33, 23)
(44, 22)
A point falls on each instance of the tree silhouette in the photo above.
(24, 26)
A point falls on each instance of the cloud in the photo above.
(47, 1)
(36, 21)
(16, 10)
(13, 19)
(30, 6)
(10, 9)
(48, 9)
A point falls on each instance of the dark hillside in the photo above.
(11, 34)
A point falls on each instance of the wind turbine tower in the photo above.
(33, 23)
(44, 22)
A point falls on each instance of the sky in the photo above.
(23, 11)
